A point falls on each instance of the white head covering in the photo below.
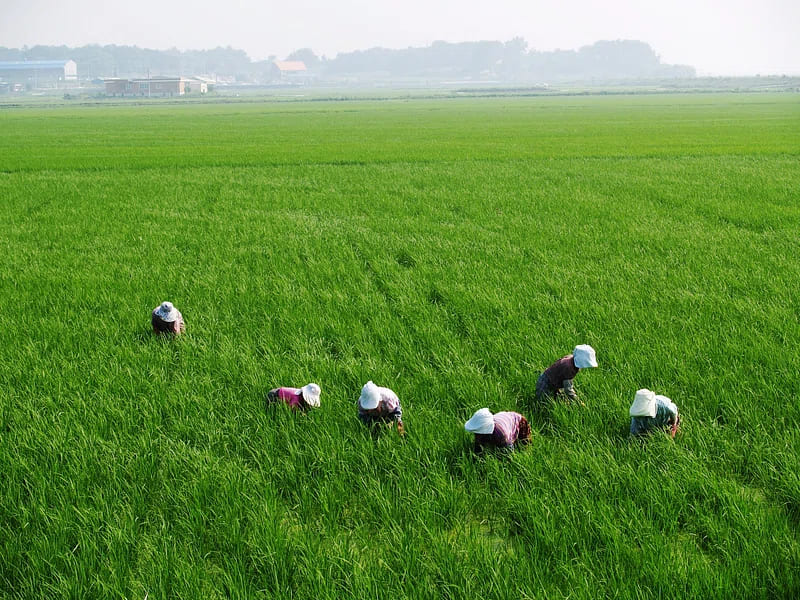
(481, 422)
(311, 394)
(644, 404)
(584, 356)
(167, 313)
(370, 396)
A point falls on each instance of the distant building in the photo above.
(155, 86)
(37, 74)
(289, 71)
(209, 81)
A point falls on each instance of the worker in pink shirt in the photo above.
(297, 398)
(560, 374)
(503, 430)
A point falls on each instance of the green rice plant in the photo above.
(449, 249)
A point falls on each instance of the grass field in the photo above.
(447, 249)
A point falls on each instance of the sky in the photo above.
(717, 37)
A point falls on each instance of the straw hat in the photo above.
(481, 422)
(370, 396)
(311, 394)
(167, 313)
(644, 404)
(584, 356)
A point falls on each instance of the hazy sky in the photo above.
(719, 37)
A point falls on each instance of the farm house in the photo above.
(290, 71)
(155, 86)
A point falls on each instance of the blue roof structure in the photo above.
(23, 65)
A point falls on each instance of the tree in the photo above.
(305, 55)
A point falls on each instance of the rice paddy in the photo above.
(448, 249)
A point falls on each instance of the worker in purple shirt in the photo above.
(297, 398)
(560, 374)
(380, 405)
(503, 430)
(650, 412)
(165, 318)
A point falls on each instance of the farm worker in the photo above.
(167, 319)
(297, 398)
(380, 405)
(501, 430)
(560, 374)
(650, 411)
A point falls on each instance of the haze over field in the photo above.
(730, 37)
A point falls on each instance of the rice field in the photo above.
(449, 249)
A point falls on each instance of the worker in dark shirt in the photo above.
(560, 374)
(165, 318)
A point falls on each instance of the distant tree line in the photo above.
(624, 59)
(507, 61)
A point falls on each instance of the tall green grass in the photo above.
(447, 249)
